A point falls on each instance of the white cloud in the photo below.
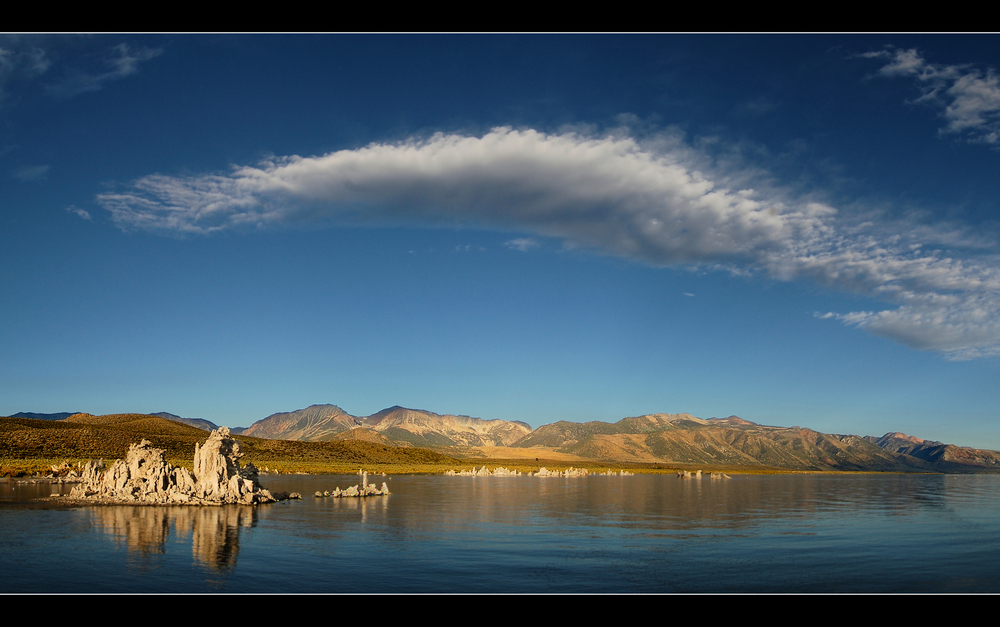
(30, 62)
(970, 98)
(123, 61)
(607, 193)
(82, 213)
(655, 201)
(23, 59)
(523, 244)
(21, 64)
(31, 173)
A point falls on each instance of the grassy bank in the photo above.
(30, 446)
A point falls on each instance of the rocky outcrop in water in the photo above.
(483, 472)
(687, 474)
(569, 472)
(542, 472)
(365, 489)
(144, 476)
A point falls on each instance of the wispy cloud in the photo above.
(21, 64)
(24, 60)
(969, 97)
(123, 61)
(31, 173)
(651, 200)
(30, 62)
(523, 244)
(82, 213)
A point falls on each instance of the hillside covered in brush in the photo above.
(83, 436)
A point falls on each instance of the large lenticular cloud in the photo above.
(612, 194)
(608, 193)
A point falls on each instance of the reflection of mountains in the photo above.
(435, 507)
(214, 531)
(654, 504)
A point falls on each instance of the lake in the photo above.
(645, 533)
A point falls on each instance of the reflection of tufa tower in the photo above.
(215, 541)
(214, 531)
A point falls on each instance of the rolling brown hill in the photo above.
(83, 436)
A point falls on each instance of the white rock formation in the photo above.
(483, 472)
(569, 472)
(365, 489)
(368, 489)
(144, 476)
(621, 473)
(542, 472)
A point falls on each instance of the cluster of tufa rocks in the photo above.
(542, 472)
(144, 476)
(686, 474)
(484, 472)
(569, 472)
(365, 489)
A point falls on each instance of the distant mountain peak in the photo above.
(898, 435)
(40, 416)
(200, 423)
(325, 406)
(733, 420)
(415, 427)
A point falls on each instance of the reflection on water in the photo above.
(214, 531)
(495, 534)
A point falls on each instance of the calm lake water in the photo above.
(647, 533)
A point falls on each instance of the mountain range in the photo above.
(653, 438)
(402, 426)
(669, 439)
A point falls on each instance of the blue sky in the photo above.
(799, 230)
